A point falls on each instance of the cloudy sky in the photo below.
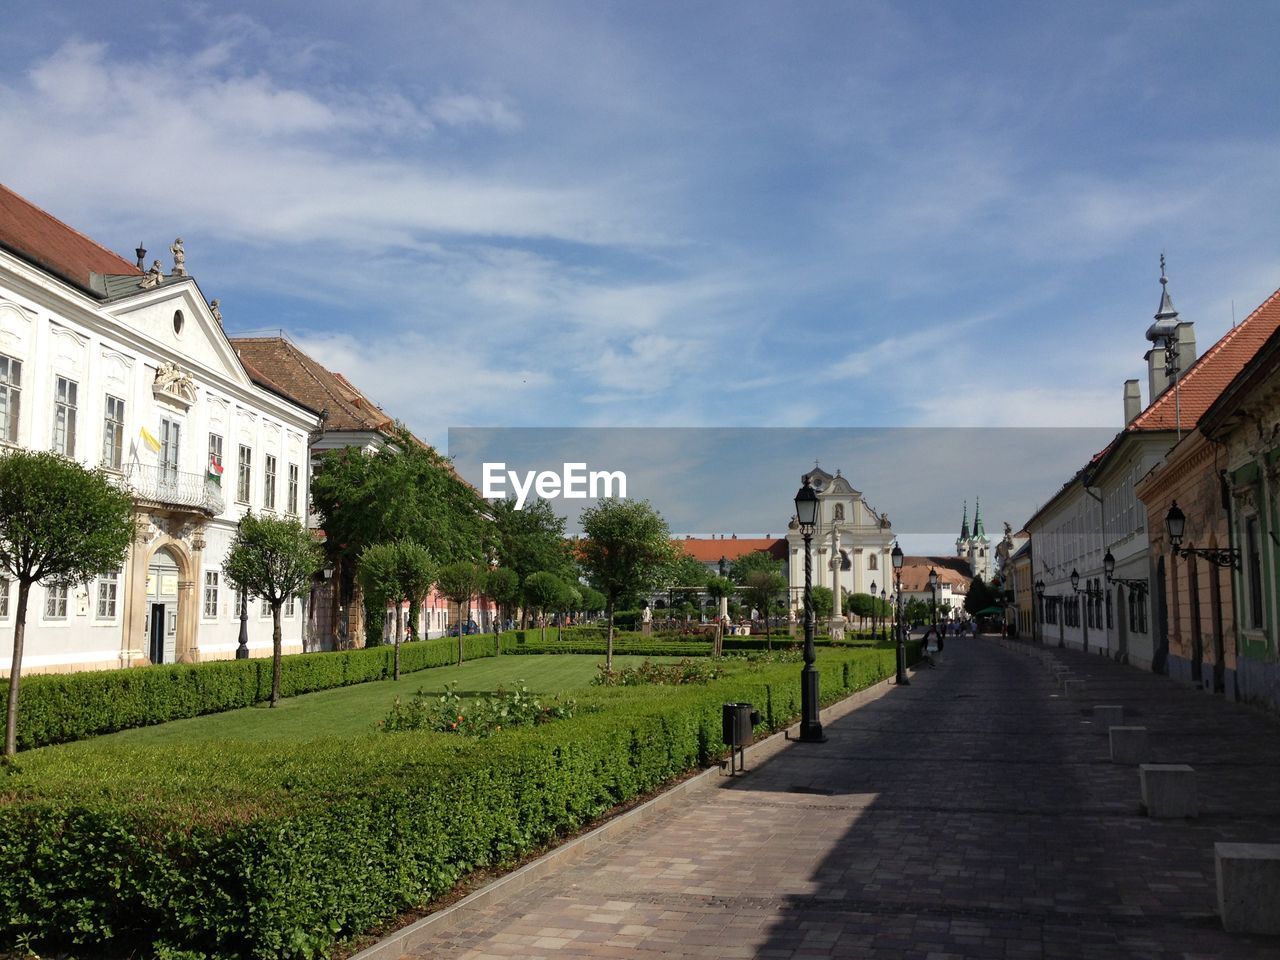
(673, 214)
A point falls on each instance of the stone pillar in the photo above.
(133, 620)
(837, 613)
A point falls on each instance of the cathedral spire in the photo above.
(979, 532)
(964, 525)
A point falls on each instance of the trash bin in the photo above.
(737, 720)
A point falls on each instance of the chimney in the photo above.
(1186, 346)
(1132, 401)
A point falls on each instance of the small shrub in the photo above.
(674, 674)
(482, 717)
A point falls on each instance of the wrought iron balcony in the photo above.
(175, 488)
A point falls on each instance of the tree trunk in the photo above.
(399, 636)
(276, 651)
(414, 608)
(608, 647)
(15, 671)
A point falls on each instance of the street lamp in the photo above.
(242, 651)
(807, 518)
(1109, 568)
(933, 586)
(897, 558)
(884, 617)
(1175, 522)
(875, 626)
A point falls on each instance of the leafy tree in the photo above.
(543, 591)
(503, 587)
(861, 605)
(460, 581)
(529, 541)
(626, 550)
(392, 573)
(762, 582)
(822, 602)
(980, 596)
(273, 558)
(404, 490)
(592, 601)
(570, 597)
(720, 587)
(59, 524)
(417, 572)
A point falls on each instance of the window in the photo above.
(293, 489)
(169, 433)
(240, 602)
(4, 599)
(64, 417)
(1137, 612)
(215, 458)
(55, 602)
(108, 588)
(211, 594)
(10, 397)
(1253, 544)
(291, 606)
(269, 483)
(265, 609)
(113, 433)
(246, 474)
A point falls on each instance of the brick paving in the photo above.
(973, 814)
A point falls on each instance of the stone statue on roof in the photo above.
(179, 258)
(153, 278)
(215, 307)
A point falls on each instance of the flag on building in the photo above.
(150, 440)
(215, 469)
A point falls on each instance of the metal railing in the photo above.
(163, 485)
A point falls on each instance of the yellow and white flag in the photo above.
(150, 441)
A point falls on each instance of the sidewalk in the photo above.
(972, 814)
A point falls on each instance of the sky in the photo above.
(677, 215)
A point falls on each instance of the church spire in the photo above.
(979, 532)
(964, 525)
(1166, 313)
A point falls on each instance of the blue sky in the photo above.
(673, 214)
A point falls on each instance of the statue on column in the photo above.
(179, 258)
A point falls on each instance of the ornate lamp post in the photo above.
(242, 651)
(884, 617)
(1175, 522)
(933, 586)
(875, 624)
(807, 517)
(1039, 603)
(899, 626)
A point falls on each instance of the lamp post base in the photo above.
(810, 725)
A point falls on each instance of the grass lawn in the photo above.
(356, 709)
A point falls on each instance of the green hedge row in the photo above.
(282, 849)
(59, 707)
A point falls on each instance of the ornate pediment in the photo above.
(173, 386)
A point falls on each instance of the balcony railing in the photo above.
(162, 485)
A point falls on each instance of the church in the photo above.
(973, 546)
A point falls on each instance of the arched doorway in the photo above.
(162, 607)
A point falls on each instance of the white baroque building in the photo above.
(129, 369)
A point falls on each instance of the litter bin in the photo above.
(737, 720)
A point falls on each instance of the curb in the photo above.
(402, 941)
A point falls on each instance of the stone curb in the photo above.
(402, 941)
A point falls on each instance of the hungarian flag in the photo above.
(215, 469)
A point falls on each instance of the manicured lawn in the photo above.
(356, 709)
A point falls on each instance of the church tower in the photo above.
(979, 546)
(962, 541)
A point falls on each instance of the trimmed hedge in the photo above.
(281, 849)
(60, 707)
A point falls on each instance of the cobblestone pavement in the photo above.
(974, 813)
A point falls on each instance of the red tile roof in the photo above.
(711, 549)
(278, 365)
(47, 242)
(1205, 379)
(952, 570)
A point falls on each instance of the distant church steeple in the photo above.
(964, 524)
(978, 532)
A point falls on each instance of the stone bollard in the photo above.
(1074, 689)
(1110, 715)
(1168, 790)
(1128, 744)
(1248, 886)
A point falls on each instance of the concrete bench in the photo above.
(1168, 790)
(1108, 715)
(1248, 886)
(1128, 744)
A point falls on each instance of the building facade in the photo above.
(128, 369)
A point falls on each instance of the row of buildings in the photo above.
(127, 367)
(1163, 550)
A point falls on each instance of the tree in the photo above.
(529, 541)
(822, 602)
(592, 601)
(502, 586)
(980, 596)
(59, 524)
(543, 591)
(417, 571)
(393, 573)
(273, 558)
(626, 551)
(760, 576)
(861, 605)
(460, 581)
(570, 597)
(719, 588)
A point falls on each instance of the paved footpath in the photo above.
(974, 813)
